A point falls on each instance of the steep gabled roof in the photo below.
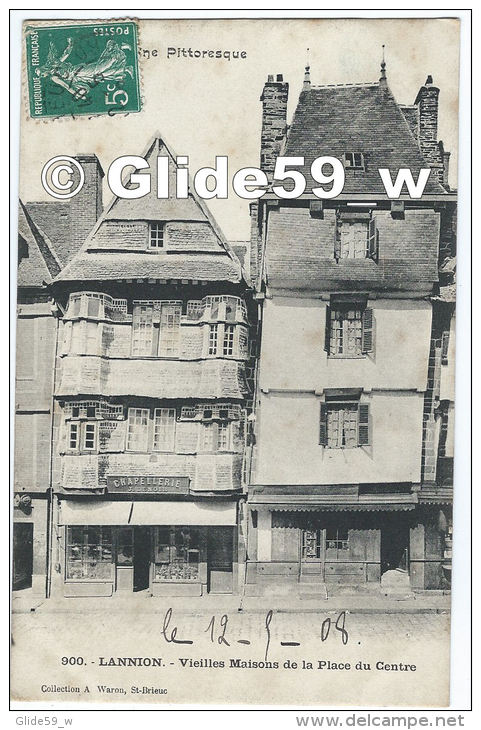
(38, 261)
(332, 120)
(53, 218)
(117, 246)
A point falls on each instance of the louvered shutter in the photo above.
(337, 239)
(323, 425)
(444, 348)
(373, 240)
(327, 332)
(363, 425)
(367, 331)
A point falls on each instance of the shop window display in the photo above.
(89, 553)
(176, 554)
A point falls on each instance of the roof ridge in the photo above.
(336, 86)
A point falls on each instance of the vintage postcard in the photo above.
(235, 357)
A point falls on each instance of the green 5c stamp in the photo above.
(82, 69)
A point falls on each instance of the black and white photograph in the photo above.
(235, 348)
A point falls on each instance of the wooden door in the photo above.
(219, 559)
(312, 555)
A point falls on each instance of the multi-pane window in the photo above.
(337, 538)
(138, 429)
(156, 235)
(356, 238)
(170, 330)
(349, 330)
(344, 424)
(164, 429)
(73, 436)
(228, 347)
(353, 243)
(89, 553)
(142, 330)
(213, 330)
(177, 553)
(346, 332)
(223, 436)
(216, 436)
(156, 328)
(208, 437)
(81, 436)
(331, 543)
(354, 159)
(90, 431)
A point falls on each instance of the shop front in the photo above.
(297, 544)
(159, 548)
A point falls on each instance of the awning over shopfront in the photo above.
(333, 502)
(73, 512)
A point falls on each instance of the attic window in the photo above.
(354, 160)
(156, 235)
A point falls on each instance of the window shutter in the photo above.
(363, 425)
(337, 238)
(327, 332)
(323, 425)
(373, 241)
(367, 331)
(444, 348)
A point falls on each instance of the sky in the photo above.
(208, 107)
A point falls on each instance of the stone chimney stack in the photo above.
(427, 103)
(86, 206)
(274, 121)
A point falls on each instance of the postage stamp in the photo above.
(82, 69)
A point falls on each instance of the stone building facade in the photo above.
(346, 484)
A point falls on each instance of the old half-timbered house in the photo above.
(151, 391)
(343, 483)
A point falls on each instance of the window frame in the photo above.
(353, 155)
(167, 333)
(142, 328)
(367, 321)
(363, 422)
(155, 430)
(154, 238)
(104, 531)
(81, 427)
(128, 430)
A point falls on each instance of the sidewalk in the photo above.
(372, 603)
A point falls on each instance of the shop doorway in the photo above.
(22, 555)
(142, 554)
(394, 544)
(219, 559)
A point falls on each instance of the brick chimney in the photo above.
(86, 206)
(427, 103)
(274, 121)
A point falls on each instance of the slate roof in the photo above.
(54, 219)
(201, 253)
(332, 120)
(40, 264)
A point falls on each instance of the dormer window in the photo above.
(156, 235)
(354, 160)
